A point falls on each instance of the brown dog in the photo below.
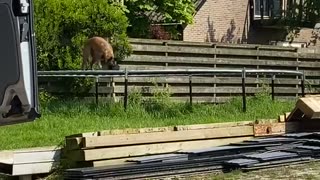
(101, 53)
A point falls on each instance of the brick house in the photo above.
(239, 21)
(234, 21)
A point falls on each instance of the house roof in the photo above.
(156, 17)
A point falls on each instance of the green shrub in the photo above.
(62, 26)
(45, 98)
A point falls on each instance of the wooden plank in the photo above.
(269, 129)
(74, 141)
(310, 106)
(210, 80)
(208, 99)
(180, 60)
(139, 150)
(122, 131)
(208, 44)
(312, 73)
(212, 125)
(282, 118)
(33, 168)
(35, 157)
(159, 137)
(198, 89)
(207, 51)
(59, 89)
(30, 155)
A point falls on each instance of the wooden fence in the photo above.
(157, 54)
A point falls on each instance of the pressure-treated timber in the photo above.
(26, 162)
(159, 137)
(30, 155)
(161, 129)
(270, 129)
(306, 108)
(139, 150)
(122, 131)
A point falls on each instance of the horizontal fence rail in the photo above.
(176, 72)
(151, 73)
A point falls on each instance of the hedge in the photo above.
(62, 26)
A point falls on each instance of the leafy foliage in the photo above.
(62, 26)
(140, 12)
(303, 13)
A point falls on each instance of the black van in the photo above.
(18, 69)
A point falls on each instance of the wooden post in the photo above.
(113, 85)
(97, 90)
(272, 86)
(302, 85)
(244, 103)
(190, 89)
(297, 69)
(258, 52)
(215, 77)
(125, 99)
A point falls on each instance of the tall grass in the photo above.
(62, 117)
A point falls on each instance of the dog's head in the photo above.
(110, 64)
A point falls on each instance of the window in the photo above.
(270, 8)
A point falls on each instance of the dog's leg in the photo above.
(91, 65)
(100, 66)
(85, 57)
(84, 64)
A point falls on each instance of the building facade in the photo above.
(239, 21)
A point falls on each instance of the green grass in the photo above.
(65, 117)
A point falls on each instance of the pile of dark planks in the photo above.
(252, 154)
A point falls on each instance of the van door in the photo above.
(18, 70)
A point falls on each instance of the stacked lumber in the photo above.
(28, 162)
(253, 154)
(120, 146)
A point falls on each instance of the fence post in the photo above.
(125, 99)
(272, 86)
(190, 89)
(244, 103)
(302, 84)
(97, 90)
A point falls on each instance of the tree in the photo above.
(62, 26)
(142, 13)
(303, 13)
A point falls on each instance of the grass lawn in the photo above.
(65, 117)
